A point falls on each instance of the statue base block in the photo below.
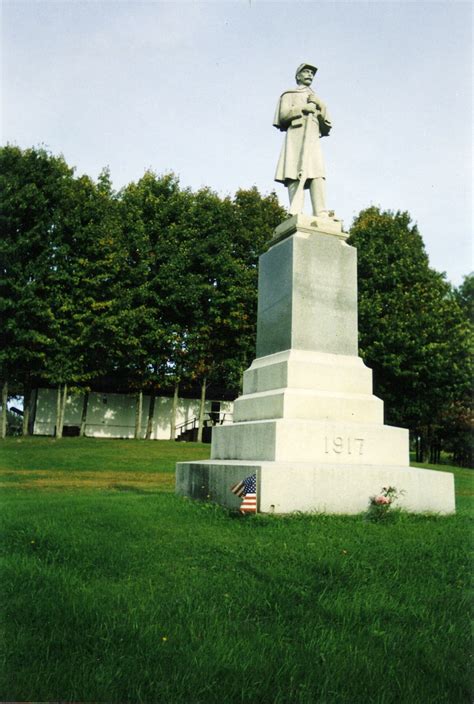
(288, 487)
(307, 422)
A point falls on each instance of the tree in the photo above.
(459, 421)
(154, 216)
(64, 263)
(465, 297)
(155, 286)
(412, 332)
(199, 281)
(33, 187)
(223, 243)
(91, 303)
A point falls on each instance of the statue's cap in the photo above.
(302, 66)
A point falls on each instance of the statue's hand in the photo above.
(309, 109)
(312, 100)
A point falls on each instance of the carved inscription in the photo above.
(343, 445)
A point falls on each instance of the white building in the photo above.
(112, 415)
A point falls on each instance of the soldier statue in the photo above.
(303, 116)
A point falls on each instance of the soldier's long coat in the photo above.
(290, 119)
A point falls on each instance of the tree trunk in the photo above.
(32, 414)
(138, 415)
(201, 410)
(60, 409)
(418, 449)
(174, 408)
(435, 454)
(85, 403)
(426, 441)
(4, 409)
(151, 413)
(63, 406)
(26, 411)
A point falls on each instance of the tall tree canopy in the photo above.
(412, 331)
(35, 192)
(465, 297)
(153, 286)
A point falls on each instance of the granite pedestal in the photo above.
(307, 422)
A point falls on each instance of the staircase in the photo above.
(188, 431)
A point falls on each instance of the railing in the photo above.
(214, 418)
(187, 425)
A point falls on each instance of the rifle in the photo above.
(302, 165)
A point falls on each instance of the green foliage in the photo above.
(35, 190)
(96, 269)
(61, 289)
(413, 333)
(151, 286)
(459, 420)
(152, 213)
(465, 297)
(200, 276)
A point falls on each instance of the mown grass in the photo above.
(141, 596)
(463, 482)
(97, 454)
(92, 463)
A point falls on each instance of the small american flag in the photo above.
(247, 490)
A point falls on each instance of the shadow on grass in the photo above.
(133, 489)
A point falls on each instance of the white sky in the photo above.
(192, 87)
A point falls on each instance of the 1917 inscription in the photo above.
(340, 444)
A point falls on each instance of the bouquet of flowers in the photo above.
(380, 504)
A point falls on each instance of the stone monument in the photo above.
(307, 424)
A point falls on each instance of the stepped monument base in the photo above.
(307, 423)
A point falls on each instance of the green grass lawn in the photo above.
(91, 463)
(116, 590)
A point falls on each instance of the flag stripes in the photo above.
(247, 490)
(249, 504)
